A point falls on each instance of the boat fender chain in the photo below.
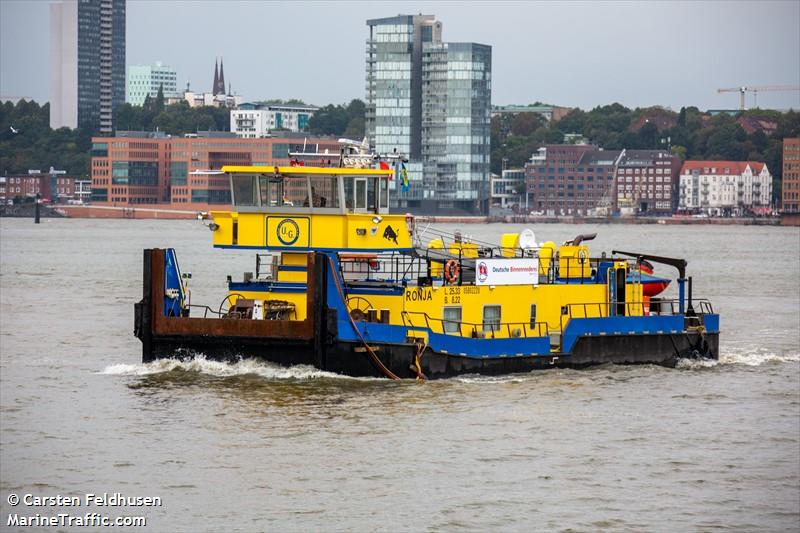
(386, 372)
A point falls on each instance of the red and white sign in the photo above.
(516, 271)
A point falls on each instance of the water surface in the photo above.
(256, 447)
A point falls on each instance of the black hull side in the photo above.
(349, 358)
(658, 349)
(282, 352)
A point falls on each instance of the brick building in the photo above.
(567, 179)
(52, 187)
(790, 195)
(647, 181)
(137, 168)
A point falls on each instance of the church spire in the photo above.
(216, 78)
(221, 77)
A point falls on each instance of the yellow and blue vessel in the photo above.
(343, 284)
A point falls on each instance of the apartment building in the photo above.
(790, 191)
(87, 63)
(722, 188)
(647, 182)
(53, 187)
(253, 121)
(146, 80)
(571, 179)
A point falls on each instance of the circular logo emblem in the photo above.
(483, 271)
(288, 231)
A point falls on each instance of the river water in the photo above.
(255, 447)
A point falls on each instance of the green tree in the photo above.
(524, 124)
(339, 120)
(159, 105)
(648, 136)
(679, 151)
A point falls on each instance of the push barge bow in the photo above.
(345, 286)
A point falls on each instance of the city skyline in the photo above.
(573, 54)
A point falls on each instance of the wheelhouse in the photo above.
(317, 190)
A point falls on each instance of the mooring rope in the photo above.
(417, 365)
(383, 368)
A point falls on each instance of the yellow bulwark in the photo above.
(310, 208)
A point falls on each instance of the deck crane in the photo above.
(755, 90)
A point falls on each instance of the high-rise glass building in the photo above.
(145, 80)
(87, 63)
(456, 123)
(431, 101)
(394, 92)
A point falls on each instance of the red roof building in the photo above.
(753, 124)
(725, 187)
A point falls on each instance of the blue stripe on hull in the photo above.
(510, 347)
(452, 344)
(619, 325)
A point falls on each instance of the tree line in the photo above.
(689, 133)
(27, 142)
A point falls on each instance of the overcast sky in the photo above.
(566, 53)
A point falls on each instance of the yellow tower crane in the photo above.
(756, 89)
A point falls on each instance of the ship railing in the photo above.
(653, 307)
(386, 267)
(551, 269)
(705, 306)
(460, 328)
(265, 266)
(398, 266)
(206, 310)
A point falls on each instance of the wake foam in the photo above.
(201, 365)
(744, 355)
(749, 356)
(754, 356)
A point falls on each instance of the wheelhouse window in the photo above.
(335, 192)
(451, 322)
(533, 316)
(384, 193)
(244, 189)
(491, 318)
(277, 191)
(324, 191)
(361, 194)
(360, 199)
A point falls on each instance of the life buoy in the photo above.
(451, 271)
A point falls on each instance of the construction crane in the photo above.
(755, 90)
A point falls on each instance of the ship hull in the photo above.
(351, 358)
(329, 339)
